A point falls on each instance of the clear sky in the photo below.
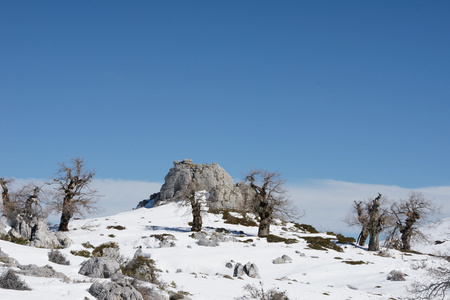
(351, 91)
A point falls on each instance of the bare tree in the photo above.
(359, 216)
(27, 202)
(269, 200)
(73, 192)
(6, 199)
(436, 288)
(411, 212)
(375, 223)
(192, 196)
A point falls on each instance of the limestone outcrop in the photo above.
(35, 230)
(223, 192)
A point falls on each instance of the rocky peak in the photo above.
(224, 194)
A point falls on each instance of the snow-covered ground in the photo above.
(200, 270)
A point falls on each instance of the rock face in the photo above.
(119, 289)
(99, 267)
(224, 194)
(35, 271)
(35, 230)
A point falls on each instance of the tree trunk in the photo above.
(374, 242)
(375, 221)
(196, 213)
(66, 215)
(264, 226)
(407, 232)
(362, 238)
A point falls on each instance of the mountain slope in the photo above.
(201, 271)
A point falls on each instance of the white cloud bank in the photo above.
(326, 202)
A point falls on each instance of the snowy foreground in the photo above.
(201, 271)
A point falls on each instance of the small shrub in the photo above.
(320, 243)
(396, 275)
(345, 240)
(385, 253)
(9, 280)
(305, 227)
(88, 245)
(111, 235)
(141, 268)
(57, 257)
(117, 227)
(83, 253)
(255, 292)
(98, 251)
(245, 221)
(277, 239)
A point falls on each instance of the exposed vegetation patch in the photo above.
(344, 240)
(277, 239)
(247, 241)
(98, 251)
(306, 227)
(84, 253)
(244, 221)
(141, 268)
(411, 252)
(111, 235)
(12, 239)
(320, 243)
(118, 227)
(88, 245)
(355, 262)
(163, 237)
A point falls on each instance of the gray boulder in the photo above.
(35, 230)
(251, 270)
(282, 260)
(99, 267)
(35, 271)
(278, 260)
(63, 239)
(238, 270)
(207, 243)
(114, 290)
(6, 259)
(224, 194)
(141, 268)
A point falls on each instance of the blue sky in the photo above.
(352, 91)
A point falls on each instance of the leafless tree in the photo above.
(359, 216)
(379, 220)
(269, 200)
(411, 212)
(74, 195)
(192, 196)
(436, 286)
(27, 202)
(6, 199)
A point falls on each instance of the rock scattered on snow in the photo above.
(249, 269)
(282, 260)
(99, 267)
(114, 290)
(35, 271)
(36, 230)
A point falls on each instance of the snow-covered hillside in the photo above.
(202, 272)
